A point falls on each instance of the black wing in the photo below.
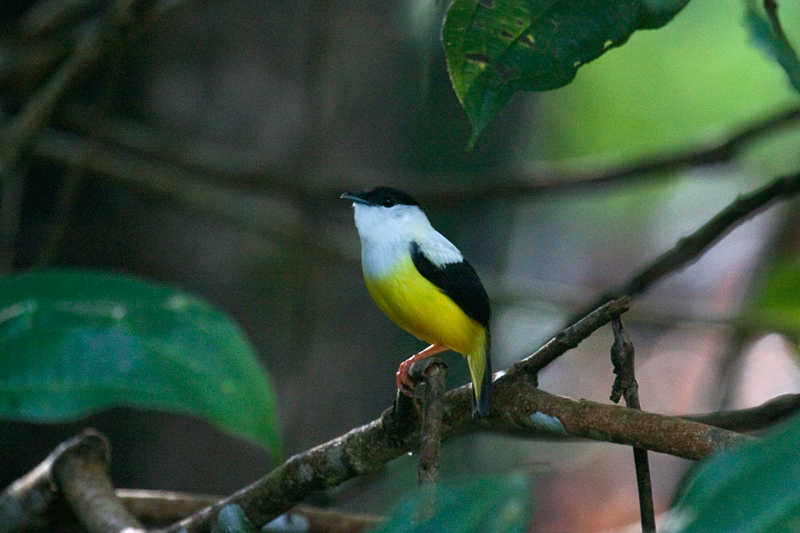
(459, 281)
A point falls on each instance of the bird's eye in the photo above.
(388, 202)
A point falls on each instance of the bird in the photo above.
(422, 282)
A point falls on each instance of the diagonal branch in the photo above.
(520, 408)
(522, 186)
(690, 248)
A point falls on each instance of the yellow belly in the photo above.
(418, 306)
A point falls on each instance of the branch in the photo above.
(690, 248)
(188, 188)
(435, 376)
(216, 165)
(520, 408)
(81, 474)
(164, 507)
(571, 336)
(34, 501)
(365, 450)
(198, 187)
(77, 471)
(213, 179)
(323, 520)
(510, 187)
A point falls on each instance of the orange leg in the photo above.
(404, 382)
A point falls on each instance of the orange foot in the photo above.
(404, 382)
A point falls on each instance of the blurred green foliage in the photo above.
(665, 89)
(496, 503)
(777, 306)
(74, 342)
(746, 489)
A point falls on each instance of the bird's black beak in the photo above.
(354, 197)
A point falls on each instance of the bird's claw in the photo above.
(404, 382)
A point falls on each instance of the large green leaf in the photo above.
(500, 504)
(74, 342)
(495, 48)
(749, 489)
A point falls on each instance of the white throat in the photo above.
(387, 233)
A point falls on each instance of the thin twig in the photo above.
(46, 17)
(22, 131)
(75, 175)
(645, 488)
(753, 418)
(569, 337)
(622, 357)
(216, 184)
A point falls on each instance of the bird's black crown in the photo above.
(384, 196)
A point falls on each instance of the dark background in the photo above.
(209, 150)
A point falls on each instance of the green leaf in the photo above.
(495, 48)
(746, 489)
(766, 31)
(777, 307)
(500, 504)
(74, 342)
